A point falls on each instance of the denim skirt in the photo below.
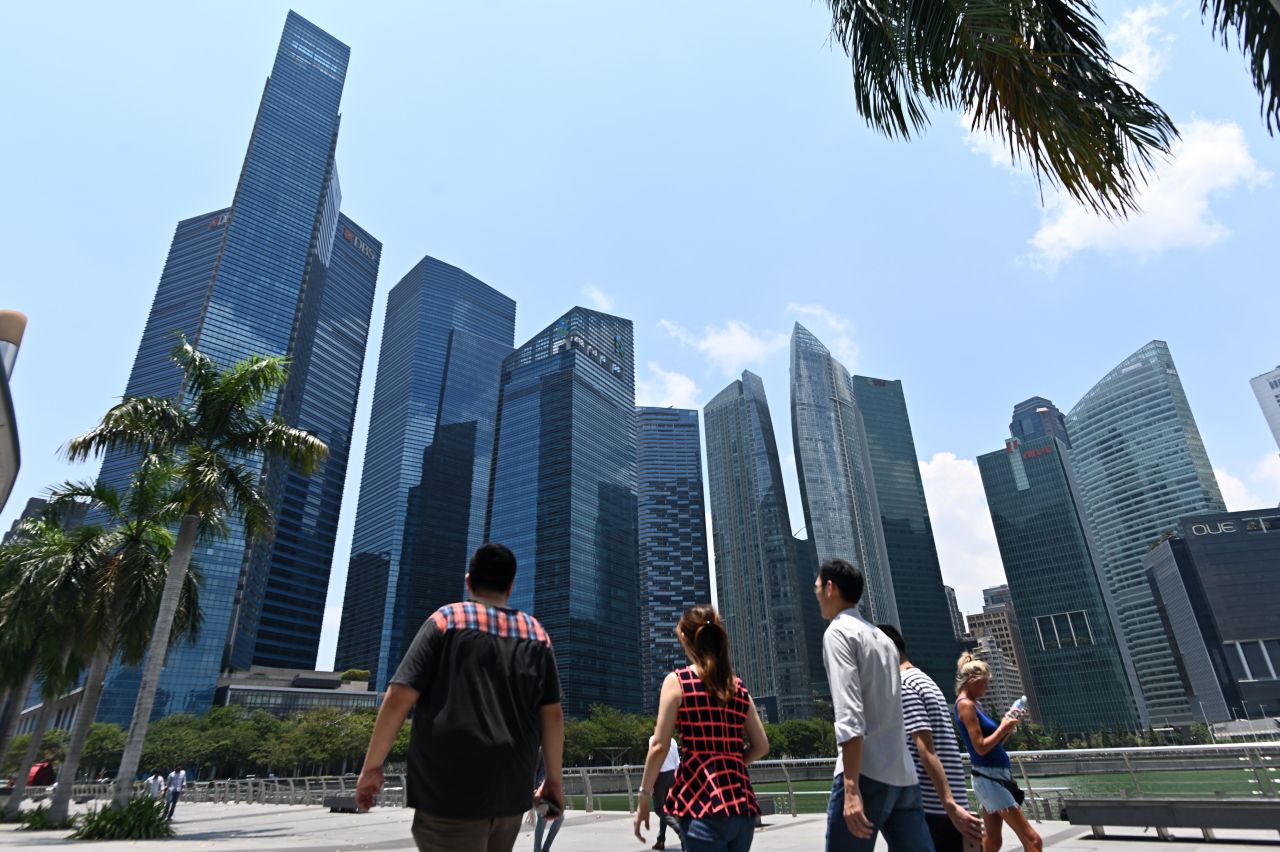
(993, 796)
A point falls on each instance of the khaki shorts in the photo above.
(440, 834)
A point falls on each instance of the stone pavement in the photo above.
(240, 828)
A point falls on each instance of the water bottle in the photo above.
(1019, 708)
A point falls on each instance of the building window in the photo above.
(1064, 630)
(1254, 659)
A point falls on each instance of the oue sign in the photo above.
(1213, 529)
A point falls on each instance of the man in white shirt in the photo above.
(154, 785)
(875, 787)
(666, 777)
(176, 781)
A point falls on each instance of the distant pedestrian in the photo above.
(875, 787)
(992, 770)
(154, 785)
(666, 777)
(174, 783)
(711, 794)
(931, 738)
(483, 680)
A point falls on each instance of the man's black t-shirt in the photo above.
(484, 674)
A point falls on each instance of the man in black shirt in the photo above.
(483, 684)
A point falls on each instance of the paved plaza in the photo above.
(225, 828)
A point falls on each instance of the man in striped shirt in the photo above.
(931, 738)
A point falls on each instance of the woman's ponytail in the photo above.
(708, 645)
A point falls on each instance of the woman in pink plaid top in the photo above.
(712, 797)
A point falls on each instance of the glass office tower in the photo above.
(1267, 388)
(250, 280)
(564, 501)
(1083, 676)
(321, 397)
(923, 612)
(1038, 418)
(837, 484)
(1141, 466)
(758, 584)
(672, 512)
(426, 466)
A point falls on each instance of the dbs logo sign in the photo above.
(365, 249)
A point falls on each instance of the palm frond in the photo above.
(145, 424)
(200, 372)
(1257, 29)
(247, 500)
(273, 437)
(1036, 73)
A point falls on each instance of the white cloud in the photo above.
(987, 144)
(598, 298)
(962, 527)
(835, 332)
(1140, 46)
(1210, 159)
(731, 347)
(667, 388)
(1259, 489)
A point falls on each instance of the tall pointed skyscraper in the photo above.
(672, 509)
(1141, 466)
(564, 501)
(923, 612)
(1038, 418)
(837, 482)
(427, 460)
(758, 587)
(278, 273)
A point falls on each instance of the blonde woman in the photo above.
(992, 769)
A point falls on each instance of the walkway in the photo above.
(240, 828)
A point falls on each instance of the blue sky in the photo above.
(697, 168)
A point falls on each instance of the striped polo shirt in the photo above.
(925, 709)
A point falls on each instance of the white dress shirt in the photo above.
(866, 691)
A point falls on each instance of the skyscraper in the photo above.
(994, 631)
(1141, 466)
(425, 487)
(833, 460)
(674, 570)
(908, 532)
(1083, 676)
(251, 279)
(564, 500)
(1267, 388)
(1038, 418)
(997, 604)
(953, 607)
(759, 590)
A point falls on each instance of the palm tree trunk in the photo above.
(80, 732)
(174, 576)
(19, 699)
(33, 752)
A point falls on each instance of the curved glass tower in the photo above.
(758, 587)
(1141, 466)
(837, 485)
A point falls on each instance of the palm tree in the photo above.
(51, 573)
(1256, 24)
(1036, 73)
(120, 611)
(214, 432)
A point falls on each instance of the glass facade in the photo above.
(1267, 388)
(837, 484)
(758, 585)
(250, 280)
(672, 518)
(1217, 584)
(1038, 418)
(325, 377)
(426, 466)
(1082, 675)
(923, 612)
(564, 501)
(1141, 466)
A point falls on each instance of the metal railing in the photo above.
(1246, 770)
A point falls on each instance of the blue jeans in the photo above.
(717, 833)
(551, 835)
(896, 811)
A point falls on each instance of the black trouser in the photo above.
(660, 789)
(946, 837)
(174, 795)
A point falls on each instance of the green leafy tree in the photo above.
(103, 747)
(214, 433)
